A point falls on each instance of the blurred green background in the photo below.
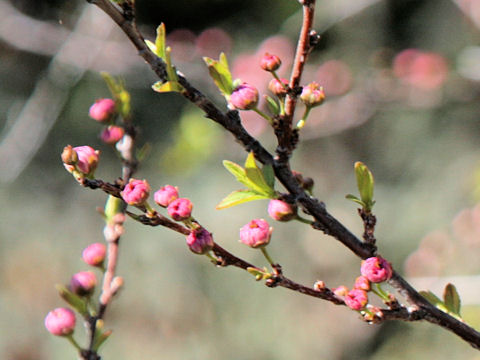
(411, 115)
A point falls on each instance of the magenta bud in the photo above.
(60, 322)
(112, 134)
(356, 299)
(256, 233)
(376, 269)
(312, 94)
(200, 241)
(86, 159)
(83, 283)
(94, 254)
(270, 62)
(136, 192)
(102, 110)
(244, 97)
(180, 209)
(166, 195)
(279, 88)
(362, 283)
(281, 211)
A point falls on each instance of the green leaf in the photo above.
(239, 197)
(260, 274)
(269, 175)
(169, 86)
(100, 336)
(236, 170)
(434, 300)
(119, 93)
(75, 301)
(452, 299)
(365, 183)
(272, 105)
(220, 73)
(160, 43)
(255, 175)
(355, 199)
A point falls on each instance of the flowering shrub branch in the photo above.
(82, 161)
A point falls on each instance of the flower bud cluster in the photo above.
(105, 111)
(373, 270)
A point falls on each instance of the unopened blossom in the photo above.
(256, 233)
(342, 290)
(244, 97)
(312, 94)
(102, 110)
(81, 158)
(94, 254)
(180, 209)
(356, 299)
(362, 283)
(279, 88)
(165, 195)
(136, 192)
(376, 269)
(60, 322)
(281, 211)
(270, 62)
(112, 134)
(83, 283)
(200, 241)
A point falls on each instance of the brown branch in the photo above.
(324, 221)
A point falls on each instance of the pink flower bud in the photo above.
(256, 233)
(112, 134)
(277, 88)
(136, 192)
(60, 322)
(87, 160)
(270, 62)
(180, 209)
(376, 269)
(356, 299)
(244, 97)
(319, 285)
(312, 94)
(342, 290)
(281, 211)
(362, 283)
(200, 241)
(102, 110)
(94, 254)
(166, 195)
(83, 283)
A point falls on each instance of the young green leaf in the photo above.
(239, 197)
(119, 93)
(75, 301)
(272, 105)
(452, 299)
(365, 183)
(168, 86)
(355, 199)
(220, 73)
(255, 175)
(269, 175)
(160, 43)
(434, 300)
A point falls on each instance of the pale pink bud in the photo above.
(102, 110)
(94, 254)
(244, 97)
(256, 233)
(166, 195)
(362, 283)
(83, 283)
(112, 134)
(376, 269)
(342, 290)
(87, 159)
(180, 209)
(136, 192)
(200, 241)
(270, 62)
(279, 88)
(312, 94)
(319, 285)
(60, 322)
(281, 211)
(356, 299)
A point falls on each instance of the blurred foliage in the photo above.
(421, 144)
